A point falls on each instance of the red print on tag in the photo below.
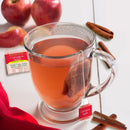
(85, 111)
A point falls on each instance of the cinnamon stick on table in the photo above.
(100, 30)
(102, 126)
(104, 61)
(108, 121)
(104, 48)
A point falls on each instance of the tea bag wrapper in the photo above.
(17, 63)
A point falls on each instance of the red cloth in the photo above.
(13, 118)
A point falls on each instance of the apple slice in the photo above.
(14, 27)
(11, 38)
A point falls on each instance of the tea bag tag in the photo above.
(85, 111)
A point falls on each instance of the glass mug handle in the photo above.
(93, 90)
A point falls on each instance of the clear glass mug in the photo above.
(60, 61)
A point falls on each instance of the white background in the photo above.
(113, 14)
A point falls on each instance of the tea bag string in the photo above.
(82, 60)
(96, 45)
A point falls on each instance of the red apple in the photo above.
(16, 11)
(11, 38)
(46, 11)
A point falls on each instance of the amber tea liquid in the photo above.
(52, 77)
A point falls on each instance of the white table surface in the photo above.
(113, 14)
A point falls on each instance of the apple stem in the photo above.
(14, 1)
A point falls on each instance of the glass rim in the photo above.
(58, 57)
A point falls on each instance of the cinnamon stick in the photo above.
(106, 117)
(104, 61)
(104, 48)
(108, 121)
(102, 126)
(100, 30)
